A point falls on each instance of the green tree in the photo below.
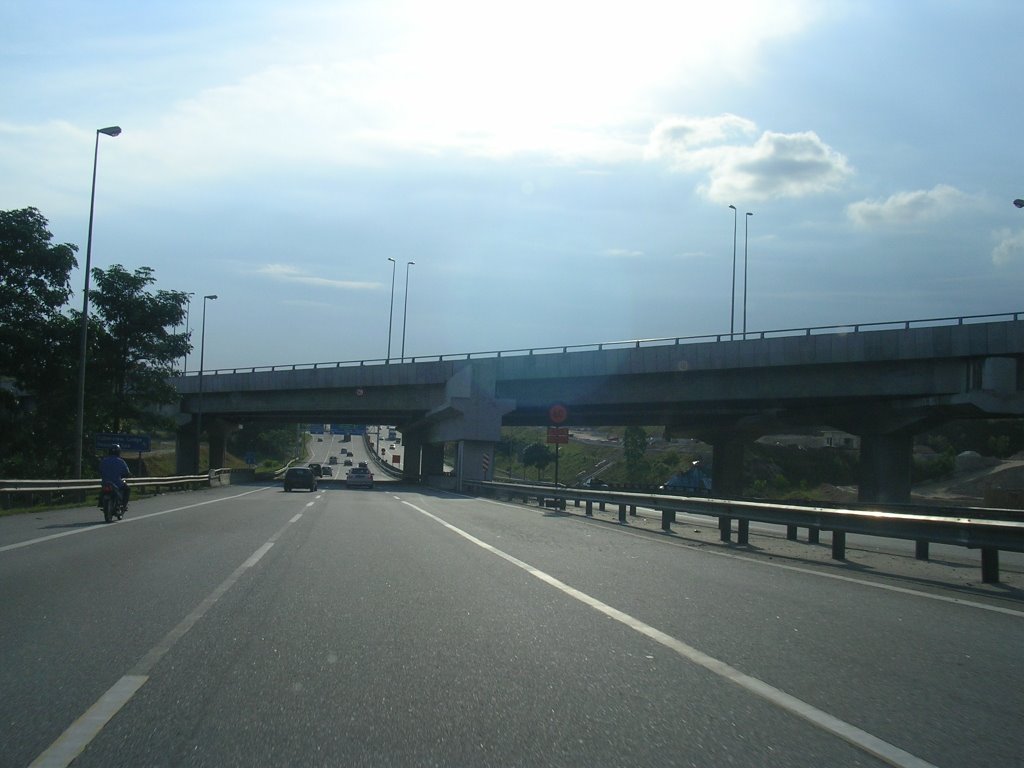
(537, 455)
(136, 347)
(634, 446)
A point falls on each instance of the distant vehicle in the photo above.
(316, 468)
(348, 462)
(332, 460)
(694, 480)
(362, 464)
(319, 439)
(391, 447)
(326, 472)
(595, 484)
(359, 477)
(299, 477)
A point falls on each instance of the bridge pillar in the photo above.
(727, 464)
(186, 448)
(217, 437)
(885, 464)
(433, 459)
(475, 461)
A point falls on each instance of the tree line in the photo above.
(132, 349)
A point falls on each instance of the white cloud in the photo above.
(1010, 247)
(907, 208)
(623, 253)
(285, 273)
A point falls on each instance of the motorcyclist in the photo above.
(113, 470)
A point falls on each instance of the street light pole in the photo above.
(405, 310)
(732, 305)
(746, 222)
(80, 413)
(202, 351)
(391, 312)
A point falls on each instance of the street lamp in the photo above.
(732, 305)
(405, 310)
(202, 351)
(746, 223)
(80, 415)
(391, 312)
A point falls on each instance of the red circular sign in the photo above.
(558, 413)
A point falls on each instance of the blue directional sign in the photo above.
(128, 443)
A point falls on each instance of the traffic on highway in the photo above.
(243, 625)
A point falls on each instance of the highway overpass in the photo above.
(883, 382)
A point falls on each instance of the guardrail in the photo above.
(52, 491)
(632, 343)
(988, 531)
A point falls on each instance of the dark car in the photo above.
(326, 472)
(316, 468)
(299, 477)
(348, 462)
(595, 484)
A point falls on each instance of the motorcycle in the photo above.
(112, 503)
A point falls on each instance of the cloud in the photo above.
(776, 165)
(907, 208)
(1010, 247)
(285, 273)
(623, 253)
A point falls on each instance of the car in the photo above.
(317, 468)
(347, 462)
(299, 477)
(332, 460)
(359, 477)
(595, 484)
(326, 472)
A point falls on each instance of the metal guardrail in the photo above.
(989, 534)
(49, 489)
(632, 343)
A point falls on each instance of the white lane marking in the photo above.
(861, 739)
(70, 744)
(799, 569)
(296, 518)
(133, 519)
(84, 729)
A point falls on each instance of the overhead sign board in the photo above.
(558, 435)
(128, 443)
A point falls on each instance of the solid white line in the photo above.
(863, 740)
(84, 729)
(133, 519)
(808, 571)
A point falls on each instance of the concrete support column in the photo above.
(185, 449)
(217, 436)
(885, 464)
(433, 459)
(475, 461)
(727, 465)
(412, 447)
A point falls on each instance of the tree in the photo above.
(136, 346)
(634, 445)
(537, 455)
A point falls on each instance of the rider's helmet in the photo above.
(114, 450)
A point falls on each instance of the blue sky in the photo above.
(559, 171)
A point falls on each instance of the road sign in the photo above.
(558, 413)
(558, 435)
(128, 443)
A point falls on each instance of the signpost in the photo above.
(557, 436)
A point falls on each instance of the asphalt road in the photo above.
(393, 627)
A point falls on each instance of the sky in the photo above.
(560, 171)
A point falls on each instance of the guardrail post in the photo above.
(632, 510)
(791, 532)
(666, 521)
(838, 545)
(725, 528)
(622, 513)
(590, 508)
(813, 535)
(990, 565)
(921, 549)
(743, 532)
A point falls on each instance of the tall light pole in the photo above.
(405, 310)
(746, 229)
(391, 312)
(732, 305)
(80, 414)
(202, 351)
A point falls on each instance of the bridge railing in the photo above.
(989, 534)
(633, 343)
